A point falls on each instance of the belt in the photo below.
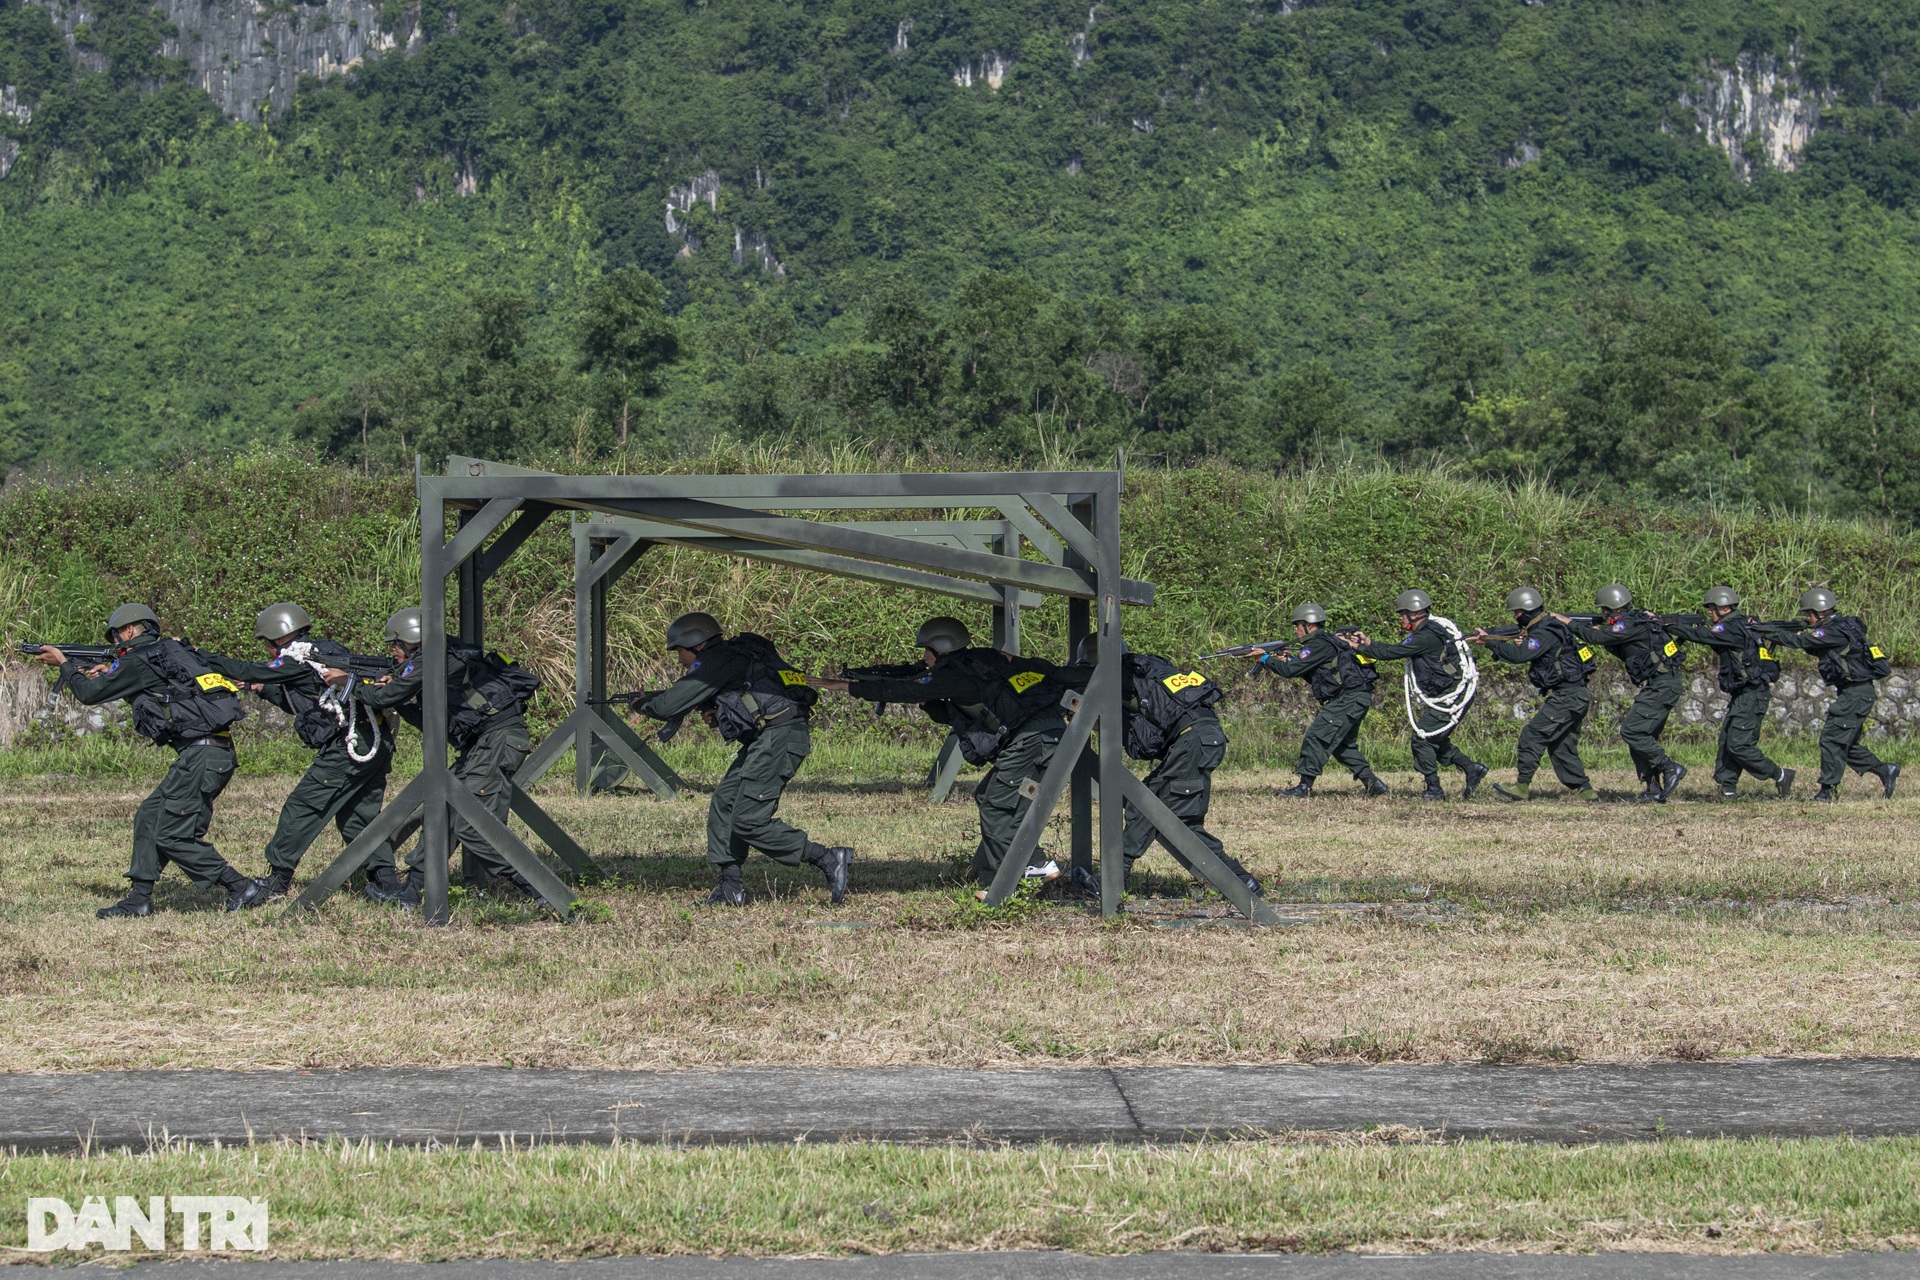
(215, 740)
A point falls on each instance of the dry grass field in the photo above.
(1551, 932)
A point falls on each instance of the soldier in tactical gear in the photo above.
(1747, 673)
(486, 725)
(755, 698)
(1342, 683)
(1850, 663)
(1431, 655)
(1653, 663)
(1558, 665)
(1167, 717)
(178, 701)
(337, 787)
(1005, 711)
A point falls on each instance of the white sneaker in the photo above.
(1048, 870)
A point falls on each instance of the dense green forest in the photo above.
(1481, 231)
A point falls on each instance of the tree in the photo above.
(1874, 429)
(627, 339)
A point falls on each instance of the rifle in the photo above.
(885, 671)
(1579, 619)
(1246, 650)
(632, 699)
(86, 655)
(1701, 620)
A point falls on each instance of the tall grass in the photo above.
(1231, 551)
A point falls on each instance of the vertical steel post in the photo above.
(1080, 841)
(1113, 764)
(583, 664)
(436, 809)
(472, 588)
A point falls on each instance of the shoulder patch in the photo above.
(1306, 653)
(277, 662)
(1820, 632)
(1187, 680)
(1025, 680)
(407, 670)
(113, 666)
(1619, 626)
(1532, 643)
(925, 679)
(1719, 626)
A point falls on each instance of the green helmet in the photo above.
(944, 635)
(1525, 599)
(278, 621)
(1310, 612)
(691, 630)
(1721, 597)
(404, 627)
(1087, 652)
(1612, 598)
(128, 614)
(1415, 601)
(1819, 600)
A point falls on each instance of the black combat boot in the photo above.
(730, 892)
(1649, 793)
(1826, 795)
(390, 888)
(243, 892)
(1372, 783)
(1433, 791)
(1670, 780)
(833, 863)
(1476, 774)
(1783, 785)
(1083, 882)
(1301, 790)
(1888, 775)
(384, 885)
(138, 902)
(278, 881)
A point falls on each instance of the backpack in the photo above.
(1161, 699)
(199, 701)
(772, 688)
(493, 686)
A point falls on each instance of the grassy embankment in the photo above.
(1232, 552)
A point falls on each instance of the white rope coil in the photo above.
(340, 702)
(1452, 704)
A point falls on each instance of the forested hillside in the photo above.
(1669, 250)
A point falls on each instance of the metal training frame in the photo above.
(1072, 517)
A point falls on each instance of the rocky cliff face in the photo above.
(1759, 100)
(250, 58)
(13, 112)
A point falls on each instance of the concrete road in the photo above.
(1067, 1266)
(1567, 1104)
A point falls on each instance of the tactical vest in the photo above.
(771, 692)
(313, 724)
(1011, 692)
(1160, 701)
(1651, 652)
(492, 686)
(1572, 662)
(1438, 673)
(1752, 666)
(199, 702)
(1347, 671)
(1858, 662)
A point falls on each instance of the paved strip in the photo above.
(1779, 1097)
(1067, 1266)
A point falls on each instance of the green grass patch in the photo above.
(1390, 1189)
